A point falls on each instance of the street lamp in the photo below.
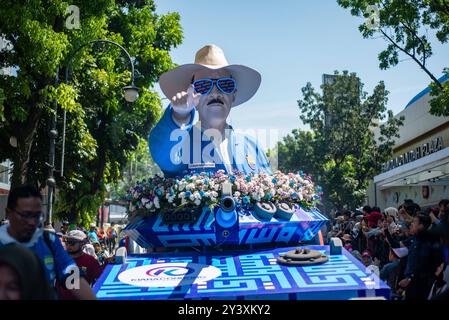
(131, 93)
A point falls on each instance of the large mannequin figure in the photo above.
(212, 87)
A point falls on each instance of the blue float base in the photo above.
(152, 232)
(242, 275)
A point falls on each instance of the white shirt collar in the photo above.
(6, 238)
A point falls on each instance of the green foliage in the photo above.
(341, 152)
(103, 130)
(406, 25)
(139, 166)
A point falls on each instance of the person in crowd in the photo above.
(101, 234)
(24, 210)
(22, 275)
(391, 272)
(89, 267)
(347, 242)
(367, 259)
(92, 234)
(391, 216)
(419, 271)
(366, 210)
(440, 287)
(112, 237)
(65, 227)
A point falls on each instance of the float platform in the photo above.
(237, 275)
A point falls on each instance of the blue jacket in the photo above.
(168, 141)
(57, 262)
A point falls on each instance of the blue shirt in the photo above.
(58, 265)
(93, 236)
(180, 151)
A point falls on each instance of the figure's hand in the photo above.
(184, 102)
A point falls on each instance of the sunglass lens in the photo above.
(226, 85)
(202, 86)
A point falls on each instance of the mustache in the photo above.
(216, 100)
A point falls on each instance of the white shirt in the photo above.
(222, 147)
(6, 238)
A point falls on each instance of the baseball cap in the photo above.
(367, 253)
(76, 235)
(65, 222)
(92, 225)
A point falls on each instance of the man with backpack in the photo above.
(24, 211)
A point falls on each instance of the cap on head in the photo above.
(77, 235)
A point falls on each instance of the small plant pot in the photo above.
(284, 211)
(264, 211)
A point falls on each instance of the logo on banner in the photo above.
(169, 274)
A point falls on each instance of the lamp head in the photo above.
(131, 93)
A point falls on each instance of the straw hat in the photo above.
(211, 57)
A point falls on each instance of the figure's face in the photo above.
(215, 106)
(25, 218)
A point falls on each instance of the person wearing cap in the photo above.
(65, 227)
(367, 259)
(390, 273)
(212, 86)
(89, 267)
(92, 234)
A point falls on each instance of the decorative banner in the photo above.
(169, 275)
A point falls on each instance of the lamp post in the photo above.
(131, 93)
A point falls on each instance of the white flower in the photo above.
(144, 200)
(156, 203)
(192, 197)
(181, 195)
(170, 199)
(183, 201)
(237, 194)
(190, 186)
(207, 194)
(197, 202)
(197, 195)
(149, 205)
(214, 194)
(213, 199)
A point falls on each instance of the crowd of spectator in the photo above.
(407, 247)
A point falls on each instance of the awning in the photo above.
(432, 168)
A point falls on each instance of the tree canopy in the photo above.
(406, 26)
(341, 151)
(102, 128)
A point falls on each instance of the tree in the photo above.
(405, 25)
(102, 129)
(139, 166)
(295, 152)
(341, 148)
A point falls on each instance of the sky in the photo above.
(292, 42)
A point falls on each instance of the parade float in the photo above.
(210, 226)
(207, 210)
(219, 223)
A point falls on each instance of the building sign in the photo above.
(419, 152)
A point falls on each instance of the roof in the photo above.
(442, 79)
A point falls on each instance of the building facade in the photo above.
(419, 168)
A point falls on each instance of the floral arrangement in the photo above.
(159, 195)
